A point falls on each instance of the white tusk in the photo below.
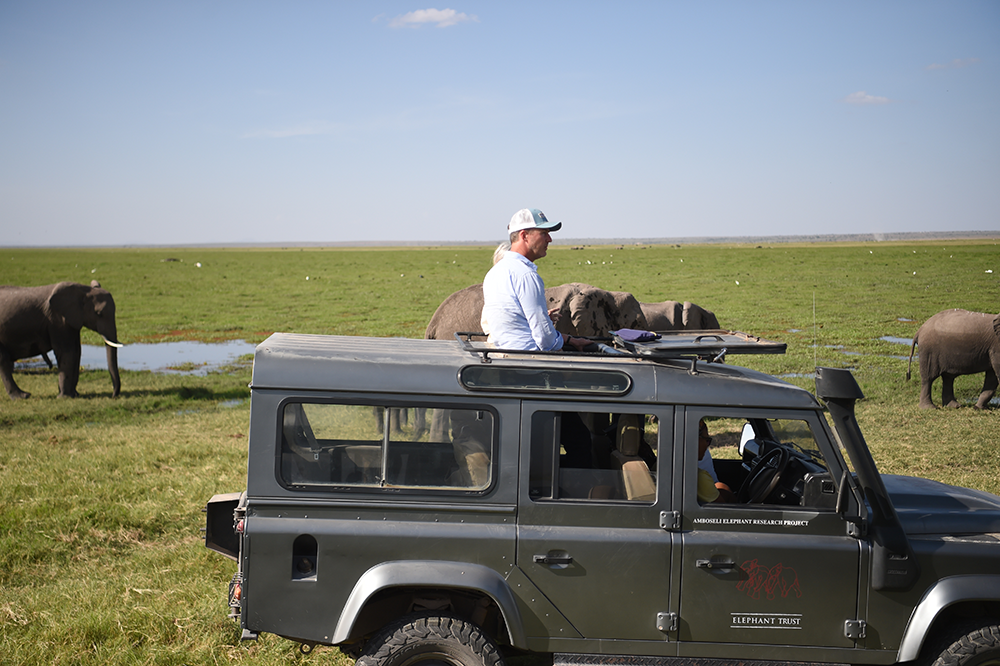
(113, 344)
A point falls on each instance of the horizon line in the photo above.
(690, 240)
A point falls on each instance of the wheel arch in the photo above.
(432, 574)
(943, 601)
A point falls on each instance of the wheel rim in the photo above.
(434, 658)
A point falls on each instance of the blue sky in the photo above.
(134, 123)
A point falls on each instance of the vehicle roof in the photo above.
(420, 367)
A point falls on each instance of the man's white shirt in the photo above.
(515, 306)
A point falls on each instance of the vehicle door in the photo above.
(589, 531)
(776, 565)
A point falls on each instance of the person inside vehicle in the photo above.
(514, 307)
(709, 489)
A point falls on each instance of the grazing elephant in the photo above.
(34, 320)
(677, 316)
(957, 342)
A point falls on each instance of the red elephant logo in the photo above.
(773, 581)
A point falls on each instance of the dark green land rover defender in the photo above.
(443, 501)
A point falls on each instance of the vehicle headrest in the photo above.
(629, 434)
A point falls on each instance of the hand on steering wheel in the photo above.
(764, 476)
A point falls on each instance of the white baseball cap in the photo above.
(531, 219)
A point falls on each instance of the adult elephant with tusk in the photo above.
(35, 320)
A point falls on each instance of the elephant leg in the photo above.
(7, 373)
(926, 384)
(989, 388)
(439, 426)
(69, 376)
(419, 422)
(948, 391)
(396, 420)
(67, 349)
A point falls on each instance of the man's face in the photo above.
(536, 243)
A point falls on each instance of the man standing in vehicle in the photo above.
(514, 294)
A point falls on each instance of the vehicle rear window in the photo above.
(386, 447)
(545, 380)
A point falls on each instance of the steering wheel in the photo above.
(763, 477)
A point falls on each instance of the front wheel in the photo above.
(979, 647)
(431, 640)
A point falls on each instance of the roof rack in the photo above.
(710, 345)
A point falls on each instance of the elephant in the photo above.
(677, 316)
(957, 342)
(35, 320)
(586, 311)
(460, 312)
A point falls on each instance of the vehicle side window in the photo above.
(760, 461)
(593, 456)
(371, 446)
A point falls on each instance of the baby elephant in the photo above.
(957, 342)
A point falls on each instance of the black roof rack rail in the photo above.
(600, 348)
(710, 345)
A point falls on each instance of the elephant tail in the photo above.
(909, 363)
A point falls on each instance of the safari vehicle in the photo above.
(442, 501)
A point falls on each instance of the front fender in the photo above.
(432, 573)
(946, 592)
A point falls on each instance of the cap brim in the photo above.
(551, 226)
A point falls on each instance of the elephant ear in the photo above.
(697, 317)
(66, 303)
(592, 312)
(628, 311)
(560, 298)
(557, 297)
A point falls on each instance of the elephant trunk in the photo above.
(112, 353)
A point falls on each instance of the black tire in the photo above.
(431, 640)
(978, 646)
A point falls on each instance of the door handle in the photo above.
(715, 564)
(552, 559)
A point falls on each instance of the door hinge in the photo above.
(670, 520)
(856, 528)
(855, 629)
(666, 622)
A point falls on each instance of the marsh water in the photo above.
(186, 358)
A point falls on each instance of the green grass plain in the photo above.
(101, 559)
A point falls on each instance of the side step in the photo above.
(631, 660)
